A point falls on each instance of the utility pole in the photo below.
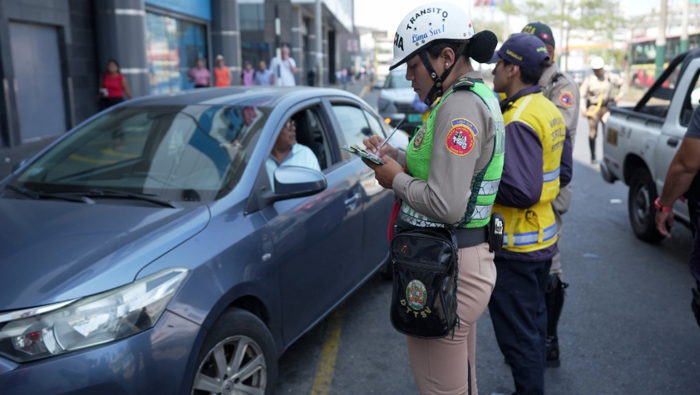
(684, 25)
(319, 42)
(661, 39)
(278, 51)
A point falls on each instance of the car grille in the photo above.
(405, 108)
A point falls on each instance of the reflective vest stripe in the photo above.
(530, 238)
(489, 187)
(552, 175)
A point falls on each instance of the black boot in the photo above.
(591, 143)
(554, 297)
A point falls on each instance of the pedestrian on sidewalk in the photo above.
(284, 69)
(200, 75)
(454, 164)
(222, 75)
(248, 74)
(264, 76)
(114, 86)
(561, 89)
(533, 172)
(597, 97)
(683, 179)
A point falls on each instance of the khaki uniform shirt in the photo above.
(444, 197)
(592, 87)
(564, 93)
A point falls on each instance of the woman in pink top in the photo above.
(114, 86)
(200, 75)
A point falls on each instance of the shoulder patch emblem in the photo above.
(418, 140)
(460, 140)
(567, 99)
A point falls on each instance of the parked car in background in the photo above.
(147, 251)
(395, 101)
(640, 142)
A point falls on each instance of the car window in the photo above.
(173, 152)
(692, 100)
(397, 80)
(374, 124)
(353, 125)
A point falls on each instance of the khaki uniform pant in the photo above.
(561, 206)
(601, 115)
(440, 365)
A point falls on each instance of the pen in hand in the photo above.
(390, 135)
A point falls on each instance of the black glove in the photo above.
(695, 304)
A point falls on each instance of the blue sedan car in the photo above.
(154, 250)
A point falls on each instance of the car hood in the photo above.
(53, 251)
(400, 95)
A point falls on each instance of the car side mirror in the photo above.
(295, 182)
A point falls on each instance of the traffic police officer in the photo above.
(597, 97)
(683, 178)
(561, 89)
(454, 164)
(537, 163)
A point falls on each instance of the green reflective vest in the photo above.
(484, 185)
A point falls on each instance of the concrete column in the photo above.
(226, 37)
(121, 35)
(327, 78)
(311, 50)
(297, 45)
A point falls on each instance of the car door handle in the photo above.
(352, 200)
(673, 142)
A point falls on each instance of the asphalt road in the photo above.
(626, 328)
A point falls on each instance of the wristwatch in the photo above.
(659, 207)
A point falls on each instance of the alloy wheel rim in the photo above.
(235, 366)
(642, 203)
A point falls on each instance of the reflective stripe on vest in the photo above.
(535, 228)
(484, 185)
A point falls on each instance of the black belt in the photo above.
(472, 237)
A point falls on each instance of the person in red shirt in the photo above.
(114, 86)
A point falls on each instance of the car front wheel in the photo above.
(642, 195)
(237, 357)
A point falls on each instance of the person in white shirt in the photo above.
(284, 70)
(287, 152)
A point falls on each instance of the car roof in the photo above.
(237, 95)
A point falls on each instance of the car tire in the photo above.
(236, 333)
(640, 203)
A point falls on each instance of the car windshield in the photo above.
(179, 153)
(397, 80)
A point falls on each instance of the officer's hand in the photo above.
(385, 173)
(664, 222)
(372, 143)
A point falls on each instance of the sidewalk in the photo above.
(358, 88)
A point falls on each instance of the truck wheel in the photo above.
(238, 356)
(642, 213)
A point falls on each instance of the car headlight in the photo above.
(98, 319)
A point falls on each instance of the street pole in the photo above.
(684, 25)
(278, 52)
(661, 39)
(319, 42)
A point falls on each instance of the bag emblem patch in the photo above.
(460, 139)
(416, 294)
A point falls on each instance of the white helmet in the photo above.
(428, 23)
(597, 63)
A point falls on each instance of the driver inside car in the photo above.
(287, 152)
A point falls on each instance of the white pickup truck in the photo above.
(640, 142)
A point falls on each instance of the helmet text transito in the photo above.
(428, 23)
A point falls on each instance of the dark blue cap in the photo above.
(524, 50)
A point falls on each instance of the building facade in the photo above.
(53, 53)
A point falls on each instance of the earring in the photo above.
(447, 64)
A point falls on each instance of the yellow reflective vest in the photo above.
(535, 228)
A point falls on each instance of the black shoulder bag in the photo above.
(424, 299)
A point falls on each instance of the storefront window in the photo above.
(172, 48)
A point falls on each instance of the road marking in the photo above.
(329, 354)
(365, 91)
